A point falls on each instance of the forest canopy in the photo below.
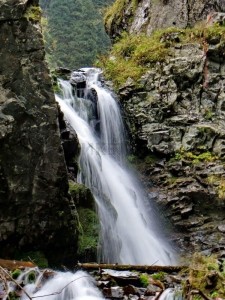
(73, 32)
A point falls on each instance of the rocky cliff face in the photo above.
(175, 115)
(177, 125)
(36, 213)
(136, 16)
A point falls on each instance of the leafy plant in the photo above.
(144, 280)
(159, 276)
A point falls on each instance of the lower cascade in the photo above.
(62, 285)
(128, 234)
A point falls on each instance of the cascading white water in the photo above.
(171, 294)
(127, 234)
(63, 286)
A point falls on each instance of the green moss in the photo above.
(16, 273)
(89, 227)
(31, 277)
(56, 88)
(81, 194)
(33, 13)
(76, 188)
(144, 280)
(159, 276)
(201, 268)
(195, 158)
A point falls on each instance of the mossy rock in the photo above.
(81, 195)
(133, 55)
(89, 232)
(205, 275)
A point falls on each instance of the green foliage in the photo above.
(16, 273)
(214, 294)
(159, 276)
(73, 32)
(195, 158)
(89, 226)
(203, 33)
(132, 55)
(144, 280)
(33, 13)
(81, 194)
(31, 277)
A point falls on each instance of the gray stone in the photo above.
(221, 228)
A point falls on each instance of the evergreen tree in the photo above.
(73, 31)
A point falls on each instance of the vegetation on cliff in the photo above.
(115, 11)
(73, 31)
(132, 55)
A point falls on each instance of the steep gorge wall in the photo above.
(36, 211)
(144, 16)
(175, 115)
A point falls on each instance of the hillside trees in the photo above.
(73, 31)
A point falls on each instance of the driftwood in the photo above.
(141, 268)
(15, 264)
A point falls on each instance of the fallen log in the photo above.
(141, 268)
(15, 264)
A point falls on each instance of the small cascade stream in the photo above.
(51, 285)
(127, 233)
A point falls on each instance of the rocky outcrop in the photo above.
(145, 16)
(176, 120)
(36, 212)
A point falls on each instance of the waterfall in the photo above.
(127, 232)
